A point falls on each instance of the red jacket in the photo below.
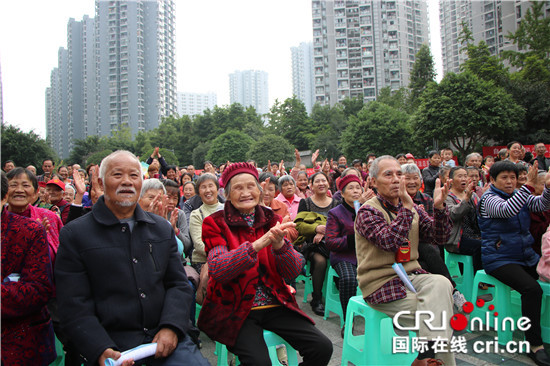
(235, 268)
(27, 331)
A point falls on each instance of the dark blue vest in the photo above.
(506, 241)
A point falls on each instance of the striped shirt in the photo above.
(494, 206)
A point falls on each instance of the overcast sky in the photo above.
(213, 39)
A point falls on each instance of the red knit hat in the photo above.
(238, 168)
(348, 179)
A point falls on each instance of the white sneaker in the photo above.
(458, 300)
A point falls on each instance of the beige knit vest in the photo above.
(374, 265)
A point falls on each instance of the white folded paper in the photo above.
(398, 268)
(137, 353)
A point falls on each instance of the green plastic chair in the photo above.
(545, 312)
(464, 280)
(332, 297)
(374, 347)
(308, 288)
(60, 360)
(272, 340)
(502, 301)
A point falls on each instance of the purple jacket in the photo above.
(340, 235)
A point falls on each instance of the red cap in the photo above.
(238, 168)
(348, 179)
(56, 182)
(409, 156)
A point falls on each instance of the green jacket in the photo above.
(306, 223)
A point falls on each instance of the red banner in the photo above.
(493, 150)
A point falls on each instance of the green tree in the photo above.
(532, 37)
(352, 106)
(86, 147)
(271, 147)
(96, 157)
(142, 143)
(177, 135)
(377, 128)
(289, 119)
(199, 153)
(231, 145)
(121, 139)
(466, 111)
(399, 99)
(423, 73)
(329, 122)
(479, 60)
(24, 148)
(534, 97)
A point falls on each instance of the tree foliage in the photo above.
(329, 123)
(423, 73)
(24, 148)
(352, 106)
(532, 37)
(271, 147)
(229, 146)
(377, 128)
(96, 157)
(399, 99)
(290, 120)
(467, 111)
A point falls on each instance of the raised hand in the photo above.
(440, 193)
(314, 157)
(174, 219)
(532, 175)
(298, 158)
(469, 190)
(97, 189)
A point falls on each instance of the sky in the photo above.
(213, 39)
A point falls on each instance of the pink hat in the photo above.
(348, 179)
(56, 182)
(238, 168)
(409, 156)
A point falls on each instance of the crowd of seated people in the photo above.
(147, 241)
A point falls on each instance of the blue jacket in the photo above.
(506, 241)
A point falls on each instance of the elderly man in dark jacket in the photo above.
(120, 282)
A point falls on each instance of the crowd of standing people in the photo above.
(114, 256)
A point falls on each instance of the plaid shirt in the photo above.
(371, 224)
(427, 202)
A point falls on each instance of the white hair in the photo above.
(374, 169)
(152, 183)
(411, 169)
(107, 160)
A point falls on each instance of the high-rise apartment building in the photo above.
(135, 42)
(1, 99)
(488, 20)
(249, 88)
(191, 104)
(362, 46)
(57, 106)
(302, 74)
(118, 71)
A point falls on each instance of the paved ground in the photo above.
(331, 327)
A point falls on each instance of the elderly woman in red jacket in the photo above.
(248, 260)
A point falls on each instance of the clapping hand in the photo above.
(440, 193)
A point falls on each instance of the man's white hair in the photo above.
(374, 169)
(107, 161)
